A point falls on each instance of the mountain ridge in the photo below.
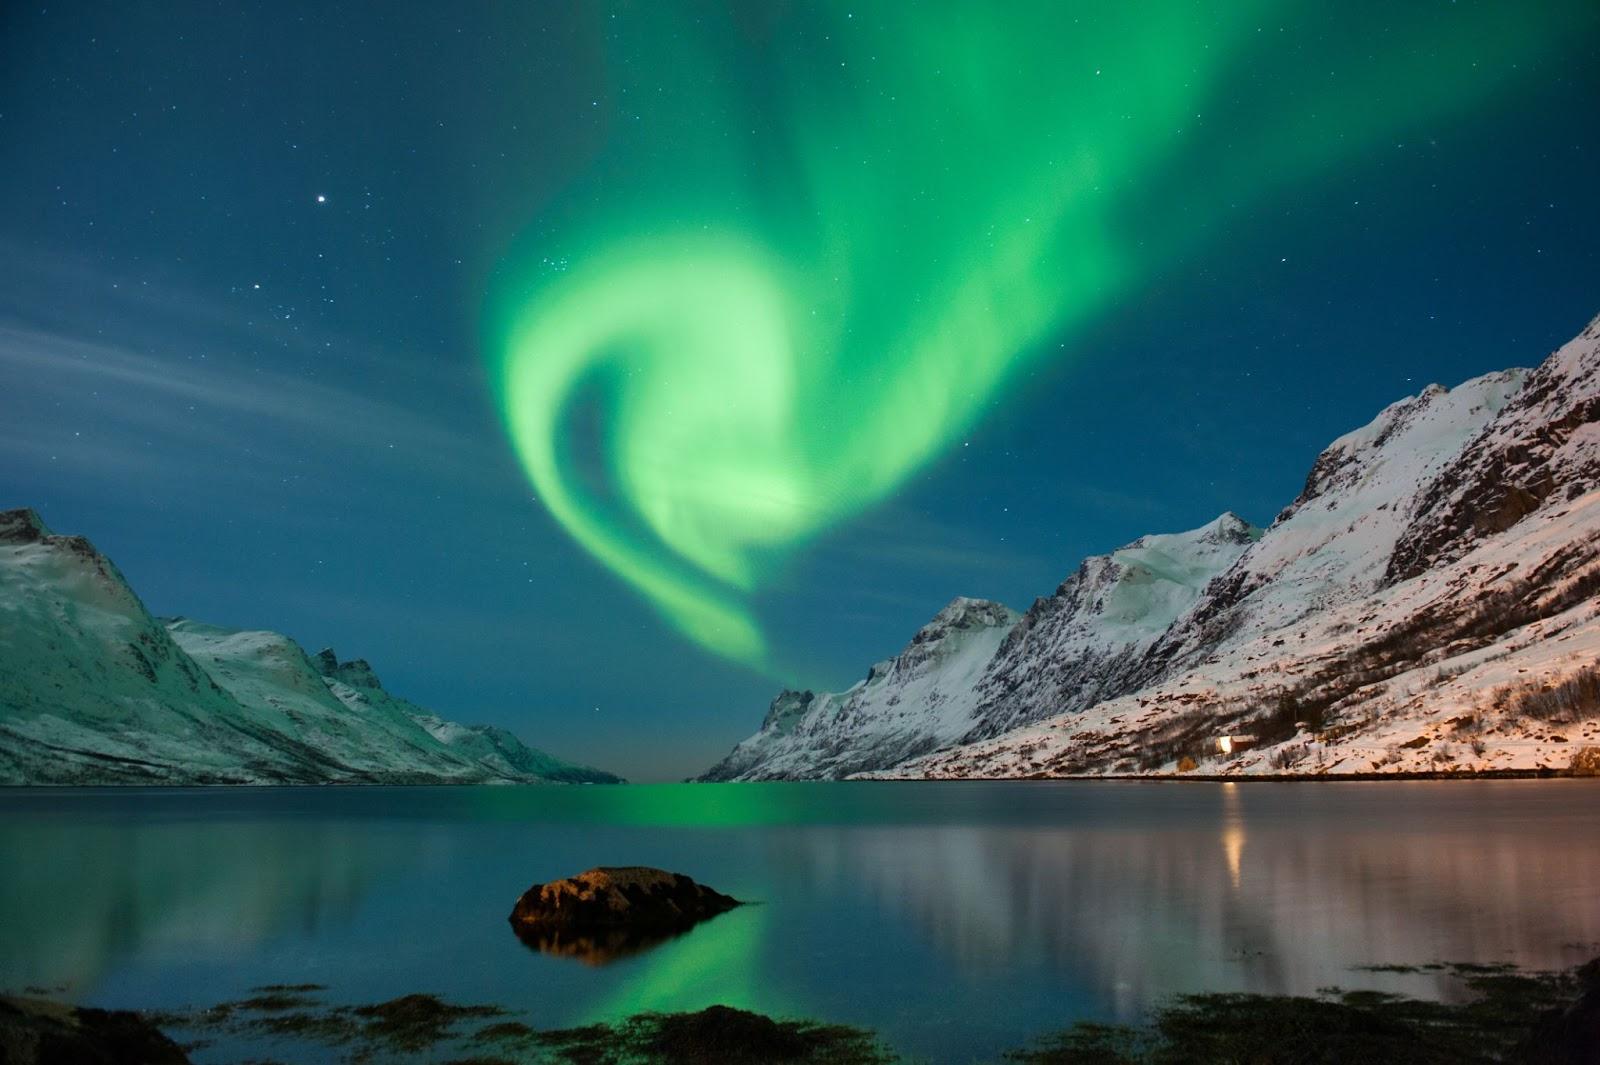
(96, 690)
(1389, 565)
(1120, 590)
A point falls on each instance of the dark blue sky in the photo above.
(243, 265)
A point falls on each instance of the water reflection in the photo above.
(76, 898)
(1283, 900)
(720, 961)
(1010, 908)
(594, 948)
(1232, 831)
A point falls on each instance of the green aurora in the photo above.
(819, 244)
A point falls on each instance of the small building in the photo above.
(1234, 744)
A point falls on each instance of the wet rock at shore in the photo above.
(40, 1032)
(1571, 1036)
(610, 912)
(719, 1034)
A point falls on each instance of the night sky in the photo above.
(598, 369)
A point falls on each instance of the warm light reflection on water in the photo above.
(957, 919)
(1232, 831)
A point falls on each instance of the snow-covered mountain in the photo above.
(93, 689)
(1090, 641)
(918, 701)
(1428, 603)
(979, 668)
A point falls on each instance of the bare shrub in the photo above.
(1289, 755)
(1577, 698)
(1184, 735)
(1585, 762)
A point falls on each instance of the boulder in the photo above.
(40, 1032)
(607, 913)
(1570, 1036)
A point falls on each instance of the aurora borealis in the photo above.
(594, 368)
(840, 233)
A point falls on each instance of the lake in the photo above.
(955, 919)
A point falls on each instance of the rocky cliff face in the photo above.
(94, 690)
(1542, 449)
(1444, 557)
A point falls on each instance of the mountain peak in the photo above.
(98, 691)
(22, 525)
(1402, 447)
(1228, 528)
(967, 612)
(357, 672)
(1542, 445)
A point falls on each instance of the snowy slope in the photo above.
(356, 687)
(1545, 446)
(1423, 676)
(978, 668)
(95, 690)
(1436, 581)
(922, 699)
(1442, 560)
(1089, 641)
(1333, 543)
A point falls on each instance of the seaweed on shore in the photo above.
(1505, 1015)
(411, 1024)
(715, 1034)
(415, 1022)
(1498, 1023)
(408, 1024)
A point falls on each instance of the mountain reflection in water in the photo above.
(1267, 907)
(77, 897)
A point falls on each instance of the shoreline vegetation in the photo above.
(1500, 1014)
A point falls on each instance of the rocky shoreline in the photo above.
(1502, 1014)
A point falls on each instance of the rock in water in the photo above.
(38, 1032)
(607, 913)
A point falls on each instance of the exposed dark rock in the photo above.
(416, 1022)
(22, 526)
(1533, 452)
(1505, 1015)
(1571, 1036)
(39, 1032)
(719, 1034)
(607, 913)
(357, 672)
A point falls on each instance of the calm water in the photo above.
(955, 919)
